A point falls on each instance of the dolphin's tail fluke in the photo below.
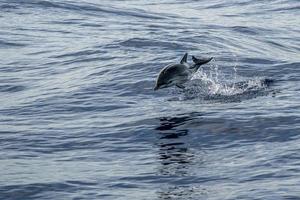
(198, 62)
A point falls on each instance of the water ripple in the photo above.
(80, 120)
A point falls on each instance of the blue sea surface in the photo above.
(79, 118)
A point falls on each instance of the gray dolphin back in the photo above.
(177, 70)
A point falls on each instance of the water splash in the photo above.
(214, 84)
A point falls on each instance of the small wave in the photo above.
(87, 8)
(6, 7)
(30, 191)
(6, 44)
(43, 30)
(286, 8)
(142, 42)
(79, 53)
(257, 61)
(11, 88)
(227, 4)
(244, 30)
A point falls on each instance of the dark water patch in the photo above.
(43, 30)
(179, 179)
(18, 32)
(233, 131)
(212, 132)
(169, 123)
(98, 74)
(61, 145)
(80, 60)
(277, 44)
(282, 46)
(55, 141)
(244, 29)
(257, 61)
(11, 88)
(79, 53)
(265, 176)
(91, 25)
(231, 15)
(67, 22)
(286, 71)
(125, 185)
(80, 183)
(286, 8)
(290, 197)
(59, 109)
(288, 65)
(160, 27)
(37, 190)
(39, 52)
(248, 95)
(8, 44)
(182, 192)
(144, 87)
(7, 7)
(228, 4)
(144, 43)
(88, 9)
(87, 109)
(216, 6)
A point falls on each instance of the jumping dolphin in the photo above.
(178, 74)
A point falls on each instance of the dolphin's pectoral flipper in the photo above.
(199, 61)
(184, 58)
(180, 86)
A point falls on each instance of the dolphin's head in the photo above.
(170, 75)
(163, 80)
(173, 74)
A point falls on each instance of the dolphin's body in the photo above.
(178, 74)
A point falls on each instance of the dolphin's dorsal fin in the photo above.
(184, 58)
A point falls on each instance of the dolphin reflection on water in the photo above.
(176, 158)
(179, 73)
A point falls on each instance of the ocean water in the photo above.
(79, 118)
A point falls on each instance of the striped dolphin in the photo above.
(179, 73)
